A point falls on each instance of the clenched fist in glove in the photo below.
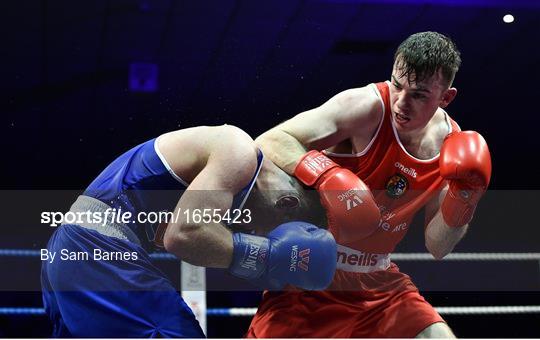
(466, 163)
(348, 201)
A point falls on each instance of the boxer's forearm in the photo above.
(281, 148)
(440, 238)
(208, 245)
(198, 236)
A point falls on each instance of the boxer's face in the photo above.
(414, 104)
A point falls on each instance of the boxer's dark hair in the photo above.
(423, 54)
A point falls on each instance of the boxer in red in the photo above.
(378, 155)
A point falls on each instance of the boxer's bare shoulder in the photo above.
(349, 113)
(188, 150)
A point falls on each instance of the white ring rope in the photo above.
(468, 257)
(395, 256)
(463, 310)
(233, 312)
(488, 310)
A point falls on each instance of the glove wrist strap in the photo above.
(311, 166)
(250, 254)
(458, 209)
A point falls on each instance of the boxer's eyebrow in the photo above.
(396, 82)
(419, 88)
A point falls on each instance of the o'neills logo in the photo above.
(409, 171)
(362, 259)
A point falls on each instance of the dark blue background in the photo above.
(67, 110)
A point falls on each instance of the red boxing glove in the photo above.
(466, 163)
(347, 200)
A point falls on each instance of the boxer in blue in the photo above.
(117, 292)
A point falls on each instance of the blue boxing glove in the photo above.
(295, 253)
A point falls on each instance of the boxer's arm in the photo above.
(439, 237)
(230, 151)
(352, 112)
(465, 162)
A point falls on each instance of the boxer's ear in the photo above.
(447, 97)
(287, 201)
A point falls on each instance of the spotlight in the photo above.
(509, 18)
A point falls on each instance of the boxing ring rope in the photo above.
(394, 256)
(468, 257)
(245, 312)
(235, 312)
(36, 253)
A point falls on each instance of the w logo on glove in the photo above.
(354, 202)
(304, 260)
(287, 257)
(351, 198)
(299, 259)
